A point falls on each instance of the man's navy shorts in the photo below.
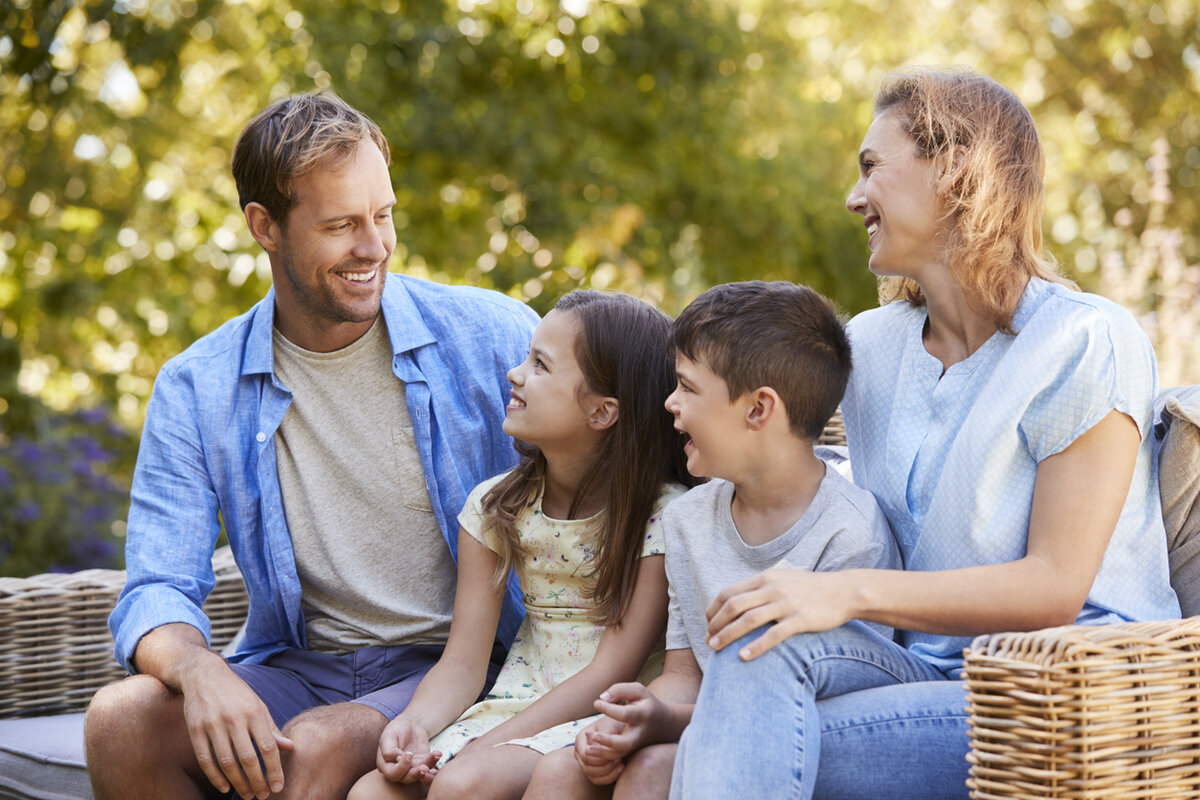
(383, 678)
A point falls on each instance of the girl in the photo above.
(577, 520)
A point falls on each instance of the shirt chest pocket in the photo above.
(409, 473)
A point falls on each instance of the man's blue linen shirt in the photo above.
(208, 447)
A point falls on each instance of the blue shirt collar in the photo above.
(396, 304)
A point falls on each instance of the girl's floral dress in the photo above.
(558, 637)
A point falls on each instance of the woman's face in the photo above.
(897, 195)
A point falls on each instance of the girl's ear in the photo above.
(764, 404)
(263, 228)
(604, 414)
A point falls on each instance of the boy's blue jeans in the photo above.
(837, 714)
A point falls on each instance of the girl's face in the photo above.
(897, 195)
(550, 405)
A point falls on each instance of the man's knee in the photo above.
(338, 724)
(340, 738)
(135, 706)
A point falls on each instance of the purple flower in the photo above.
(27, 512)
(88, 448)
(92, 416)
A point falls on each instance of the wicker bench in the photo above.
(1071, 712)
(55, 653)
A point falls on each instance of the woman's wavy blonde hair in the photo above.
(968, 123)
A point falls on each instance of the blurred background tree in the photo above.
(539, 145)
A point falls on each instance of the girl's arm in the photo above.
(620, 656)
(459, 674)
(1078, 496)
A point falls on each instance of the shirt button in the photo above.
(262, 437)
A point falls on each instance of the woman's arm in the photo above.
(620, 656)
(1077, 498)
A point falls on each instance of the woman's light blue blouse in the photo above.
(952, 457)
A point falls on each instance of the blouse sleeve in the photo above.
(1106, 364)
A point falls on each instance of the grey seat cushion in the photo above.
(41, 758)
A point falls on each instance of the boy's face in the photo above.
(712, 421)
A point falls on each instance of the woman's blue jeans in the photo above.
(837, 714)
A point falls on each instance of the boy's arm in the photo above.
(637, 716)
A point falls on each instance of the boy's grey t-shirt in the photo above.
(843, 528)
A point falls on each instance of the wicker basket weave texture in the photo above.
(55, 647)
(1086, 712)
(835, 431)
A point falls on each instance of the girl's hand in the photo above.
(403, 755)
(797, 601)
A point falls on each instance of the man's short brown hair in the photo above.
(291, 137)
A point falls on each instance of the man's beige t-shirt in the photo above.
(374, 568)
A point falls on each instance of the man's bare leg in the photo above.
(137, 743)
(334, 747)
(138, 747)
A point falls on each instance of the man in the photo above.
(334, 430)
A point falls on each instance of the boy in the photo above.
(760, 368)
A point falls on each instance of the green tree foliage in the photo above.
(656, 147)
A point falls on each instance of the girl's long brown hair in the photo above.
(623, 351)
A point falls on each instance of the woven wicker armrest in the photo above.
(835, 431)
(55, 647)
(1086, 712)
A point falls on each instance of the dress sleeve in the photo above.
(1108, 364)
(653, 543)
(471, 517)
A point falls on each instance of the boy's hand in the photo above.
(403, 755)
(797, 601)
(633, 719)
(601, 764)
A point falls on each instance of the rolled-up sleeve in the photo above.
(173, 524)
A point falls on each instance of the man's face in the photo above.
(331, 257)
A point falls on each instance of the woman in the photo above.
(1001, 418)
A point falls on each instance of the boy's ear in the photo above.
(604, 414)
(263, 228)
(765, 403)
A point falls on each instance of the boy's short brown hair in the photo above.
(781, 335)
(291, 137)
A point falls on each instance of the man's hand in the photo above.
(230, 728)
(403, 755)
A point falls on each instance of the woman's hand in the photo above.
(797, 601)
